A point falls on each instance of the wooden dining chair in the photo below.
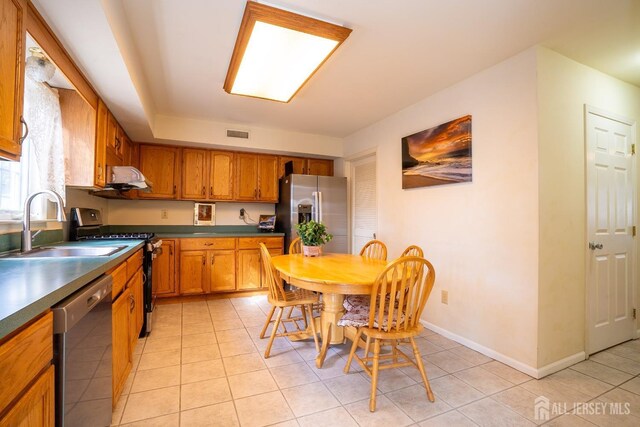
(374, 249)
(281, 299)
(295, 247)
(413, 250)
(397, 300)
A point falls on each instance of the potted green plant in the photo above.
(313, 235)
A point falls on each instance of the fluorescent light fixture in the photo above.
(277, 51)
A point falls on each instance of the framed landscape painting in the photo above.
(439, 155)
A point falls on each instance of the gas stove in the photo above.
(86, 224)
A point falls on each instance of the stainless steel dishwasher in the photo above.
(82, 356)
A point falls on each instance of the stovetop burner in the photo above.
(120, 236)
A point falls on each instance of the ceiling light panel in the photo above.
(278, 51)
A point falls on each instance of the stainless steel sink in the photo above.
(68, 252)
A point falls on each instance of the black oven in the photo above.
(86, 224)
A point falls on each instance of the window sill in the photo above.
(13, 226)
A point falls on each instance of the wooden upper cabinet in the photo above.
(320, 167)
(194, 174)
(221, 175)
(160, 166)
(12, 52)
(299, 165)
(267, 178)
(306, 166)
(246, 176)
(100, 167)
(79, 138)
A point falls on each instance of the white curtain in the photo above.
(44, 143)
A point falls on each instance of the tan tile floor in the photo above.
(203, 366)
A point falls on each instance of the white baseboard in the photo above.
(522, 367)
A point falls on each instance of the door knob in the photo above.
(593, 246)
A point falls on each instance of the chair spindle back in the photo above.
(374, 249)
(413, 250)
(276, 291)
(400, 294)
(295, 247)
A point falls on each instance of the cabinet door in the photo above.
(136, 309)
(100, 167)
(112, 134)
(121, 362)
(222, 276)
(194, 174)
(193, 275)
(268, 178)
(12, 51)
(36, 406)
(221, 175)
(248, 269)
(246, 176)
(320, 167)
(163, 281)
(299, 165)
(158, 164)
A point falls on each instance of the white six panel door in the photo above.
(610, 204)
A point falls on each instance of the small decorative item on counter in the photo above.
(313, 235)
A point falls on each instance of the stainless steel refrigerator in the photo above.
(321, 198)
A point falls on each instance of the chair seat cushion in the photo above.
(355, 301)
(358, 317)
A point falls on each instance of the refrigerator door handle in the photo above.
(315, 211)
(319, 206)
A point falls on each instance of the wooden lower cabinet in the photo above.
(248, 269)
(193, 272)
(164, 270)
(27, 375)
(136, 311)
(122, 351)
(36, 406)
(222, 272)
(210, 265)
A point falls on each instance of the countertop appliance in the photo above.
(321, 198)
(86, 225)
(82, 356)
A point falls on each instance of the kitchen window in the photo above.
(41, 166)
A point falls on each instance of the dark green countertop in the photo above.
(30, 286)
(169, 235)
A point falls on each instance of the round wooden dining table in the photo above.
(333, 275)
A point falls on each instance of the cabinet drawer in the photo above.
(252, 242)
(119, 276)
(207, 243)
(24, 355)
(133, 264)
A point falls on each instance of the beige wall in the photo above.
(482, 237)
(564, 87)
(140, 212)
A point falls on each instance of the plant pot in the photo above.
(312, 250)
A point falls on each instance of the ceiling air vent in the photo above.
(243, 134)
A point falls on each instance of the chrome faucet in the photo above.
(26, 221)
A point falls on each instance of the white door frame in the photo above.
(349, 163)
(589, 109)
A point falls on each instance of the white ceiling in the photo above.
(155, 58)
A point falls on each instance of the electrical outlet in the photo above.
(241, 213)
(445, 297)
(164, 214)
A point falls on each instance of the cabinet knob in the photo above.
(211, 191)
(174, 189)
(203, 190)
